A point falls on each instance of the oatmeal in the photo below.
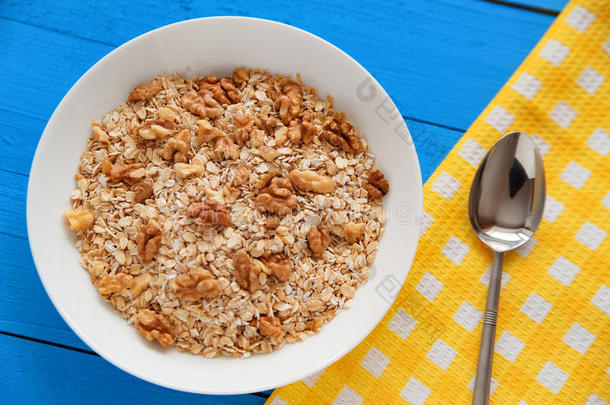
(227, 216)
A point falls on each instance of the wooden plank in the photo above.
(441, 60)
(67, 377)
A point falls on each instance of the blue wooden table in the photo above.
(440, 60)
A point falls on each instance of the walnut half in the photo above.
(246, 271)
(197, 284)
(277, 198)
(378, 185)
(154, 326)
(318, 239)
(341, 133)
(210, 212)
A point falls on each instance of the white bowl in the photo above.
(216, 45)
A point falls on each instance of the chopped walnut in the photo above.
(224, 90)
(240, 75)
(267, 123)
(244, 125)
(201, 103)
(353, 232)
(312, 181)
(140, 283)
(309, 130)
(112, 283)
(246, 271)
(210, 212)
(271, 326)
(341, 133)
(148, 240)
(277, 264)
(154, 326)
(142, 190)
(156, 130)
(288, 103)
(177, 148)
(145, 91)
(185, 170)
(99, 133)
(268, 153)
(278, 197)
(79, 220)
(318, 239)
(377, 185)
(196, 284)
(241, 176)
(224, 148)
(121, 172)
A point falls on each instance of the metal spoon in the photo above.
(505, 208)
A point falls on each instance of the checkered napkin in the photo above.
(553, 335)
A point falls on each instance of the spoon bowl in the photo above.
(507, 194)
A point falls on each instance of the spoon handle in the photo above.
(483, 378)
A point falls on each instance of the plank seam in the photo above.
(46, 342)
(540, 10)
(42, 27)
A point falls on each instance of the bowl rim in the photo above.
(44, 139)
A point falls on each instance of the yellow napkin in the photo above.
(553, 335)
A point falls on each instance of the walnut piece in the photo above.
(177, 148)
(145, 91)
(265, 122)
(210, 212)
(142, 190)
(288, 103)
(112, 283)
(148, 240)
(353, 232)
(140, 283)
(277, 264)
(201, 103)
(377, 185)
(268, 153)
(206, 132)
(341, 133)
(196, 284)
(224, 147)
(241, 176)
(271, 326)
(156, 130)
(185, 170)
(277, 198)
(240, 75)
(244, 125)
(79, 219)
(246, 271)
(312, 181)
(318, 239)
(118, 172)
(223, 90)
(154, 326)
(99, 133)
